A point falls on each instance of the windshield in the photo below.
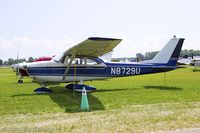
(58, 57)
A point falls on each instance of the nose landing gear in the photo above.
(20, 81)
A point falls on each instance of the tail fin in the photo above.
(169, 53)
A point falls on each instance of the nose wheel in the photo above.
(20, 81)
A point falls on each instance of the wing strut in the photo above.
(68, 67)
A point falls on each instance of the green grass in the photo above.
(138, 103)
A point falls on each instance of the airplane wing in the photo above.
(93, 46)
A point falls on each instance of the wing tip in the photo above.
(103, 39)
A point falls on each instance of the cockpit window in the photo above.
(58, 57)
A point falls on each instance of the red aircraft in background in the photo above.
(43, 59)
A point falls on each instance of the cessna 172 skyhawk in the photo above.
(82, 63)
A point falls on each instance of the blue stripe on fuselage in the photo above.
(112, 70)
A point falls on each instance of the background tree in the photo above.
(30, 59)
(139, 57)
(190, 53)
(11, 61)
(5, 63)
(1, 62)
(20, 60)
(150, 55)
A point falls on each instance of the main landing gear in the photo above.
(43, 89)
(79, 87)
(75, 87)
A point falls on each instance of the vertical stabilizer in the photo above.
(170, 52)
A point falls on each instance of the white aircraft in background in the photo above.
(185, 61)
(196, 61)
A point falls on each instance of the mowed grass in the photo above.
(131, 104)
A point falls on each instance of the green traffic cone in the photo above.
(84, 100)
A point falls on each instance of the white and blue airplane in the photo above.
(83, 63)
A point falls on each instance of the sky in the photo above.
(49, 27)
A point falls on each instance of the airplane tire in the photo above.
(42, 90)
(20, 81)
(79, 87)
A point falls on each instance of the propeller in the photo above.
(18, 74)
(17, 66)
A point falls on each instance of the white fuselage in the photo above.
(59, 78)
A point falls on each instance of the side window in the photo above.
(78, 61)
(84, 61)
(81, 61)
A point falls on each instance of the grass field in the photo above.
(131, 104)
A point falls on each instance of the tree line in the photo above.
(146, 56)
(12, 61)
(189, 53)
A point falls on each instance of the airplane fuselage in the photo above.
(81, 62)
(53, 71)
